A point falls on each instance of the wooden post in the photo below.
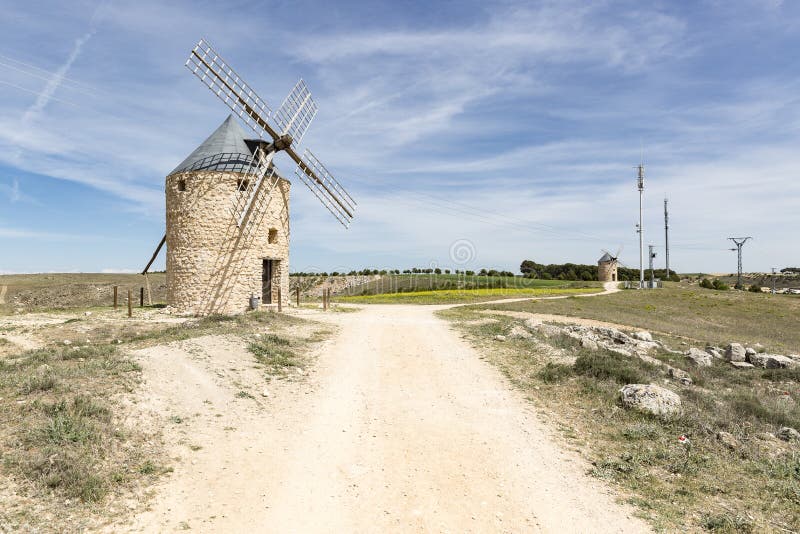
(141, 297)
(297, 290)
(115, 298)
(280, 304)
(324, 299)
(149, 294)
(130, 303)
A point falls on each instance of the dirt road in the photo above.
(400, 427)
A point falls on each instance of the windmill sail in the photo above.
(292, 119)
(297, 111)
(223, 81)
(322, 183)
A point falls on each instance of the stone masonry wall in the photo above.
(213, 266)
(607, 271)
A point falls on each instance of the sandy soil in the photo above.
(400, 426)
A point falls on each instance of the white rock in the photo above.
(87, 314)
(735, 353)
(500, 337)
(788, 434)
(742, 365)
(699, 357)
(642, 335)
(772, 361)
(67, 342)
(518, 332)
(265, 392)
(651, 399)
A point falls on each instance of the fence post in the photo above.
(130, 309)
(297, 290)
(141, 297)
(280, 304)
(115, 298)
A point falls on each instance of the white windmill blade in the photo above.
(322, 183)
(223, 81)
(296, 113)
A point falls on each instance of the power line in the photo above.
(739, 241)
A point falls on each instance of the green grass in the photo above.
(451, 296)
(410, 283)
(716, 317)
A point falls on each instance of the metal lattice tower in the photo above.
(739, 241)
(666, 235)
(639, 227)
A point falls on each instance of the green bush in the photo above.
(754, 288)
(719, 285)
(706, 283)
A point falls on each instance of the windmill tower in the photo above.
(607, 267)
(228, 207)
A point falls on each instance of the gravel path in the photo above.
(401, 426)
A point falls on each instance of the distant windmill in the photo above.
(607, 266)
(228, 207)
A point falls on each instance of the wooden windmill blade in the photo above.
(292, 119)
(223, 81)
(327, 189)
(297, 111)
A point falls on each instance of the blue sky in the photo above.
(488, 132)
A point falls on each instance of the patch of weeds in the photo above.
(275, 353)
(195, 448)
(727, 522)
(615, 367)
(39, 382)
(748, 404)
(642, 430)
(176, 419)
(782, 375)
(73, 320)
(554, 372)
(244, 395)
(148, 468)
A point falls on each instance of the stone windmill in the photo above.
(607, 266)
(227, 206)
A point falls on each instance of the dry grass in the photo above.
(716, 317)
(754, 488)
(62, 412)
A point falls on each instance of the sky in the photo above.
(471, 134)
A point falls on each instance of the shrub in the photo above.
(754, 288)
(706, 283)
(554, 372)
(610, 366)
(719, 285)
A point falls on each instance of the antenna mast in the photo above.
(666, 234)
(652, 256)
(739, 241)
(639, 229)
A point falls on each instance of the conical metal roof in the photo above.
(224, 150)
(606, 258)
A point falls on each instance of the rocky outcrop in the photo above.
(699, 357)
(652, 399)
(772, 361)
(788, 434)
(735, 353)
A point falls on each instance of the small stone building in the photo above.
(213, 265)
(607, 268)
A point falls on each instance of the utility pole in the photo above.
(739, 241)
(639, 227)
(652, 272)
(666, 234)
